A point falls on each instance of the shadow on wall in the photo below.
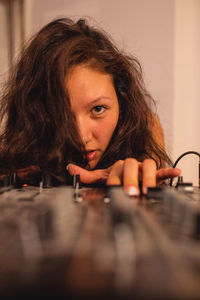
(11, 31)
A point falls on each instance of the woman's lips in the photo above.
(91, 154)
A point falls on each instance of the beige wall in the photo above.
(4, 42)
(11, 33)
(186, 102)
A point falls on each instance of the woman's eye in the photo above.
(97, 110)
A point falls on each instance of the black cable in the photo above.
(181, 156)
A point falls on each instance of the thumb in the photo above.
(86, 176)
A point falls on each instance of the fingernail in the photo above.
(67, 167)
(132, 191)
(144, 190)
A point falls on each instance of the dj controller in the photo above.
(96, 242)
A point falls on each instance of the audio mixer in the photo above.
(98, 243)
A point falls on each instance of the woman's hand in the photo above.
(127, 172)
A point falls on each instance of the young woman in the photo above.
(75, 101)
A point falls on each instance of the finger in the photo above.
(148, 174)
(87, 176)
(166, 173)
(130, 177)
(115, 175)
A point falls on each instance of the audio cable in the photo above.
(181, 156)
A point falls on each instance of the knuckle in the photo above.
(131, 161)
(118, 163)
(150, 162)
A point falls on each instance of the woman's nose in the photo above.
(85, 131)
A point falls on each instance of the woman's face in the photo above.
(95, 105)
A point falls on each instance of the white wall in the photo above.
(164, 35)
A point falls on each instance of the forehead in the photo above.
(87, 83)
(82, 73)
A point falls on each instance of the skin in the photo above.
(95, 105)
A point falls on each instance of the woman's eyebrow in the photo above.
(98, 99)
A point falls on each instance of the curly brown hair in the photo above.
(40, 128)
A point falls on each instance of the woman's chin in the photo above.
(92, 164)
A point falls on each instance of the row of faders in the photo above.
(83, 242)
